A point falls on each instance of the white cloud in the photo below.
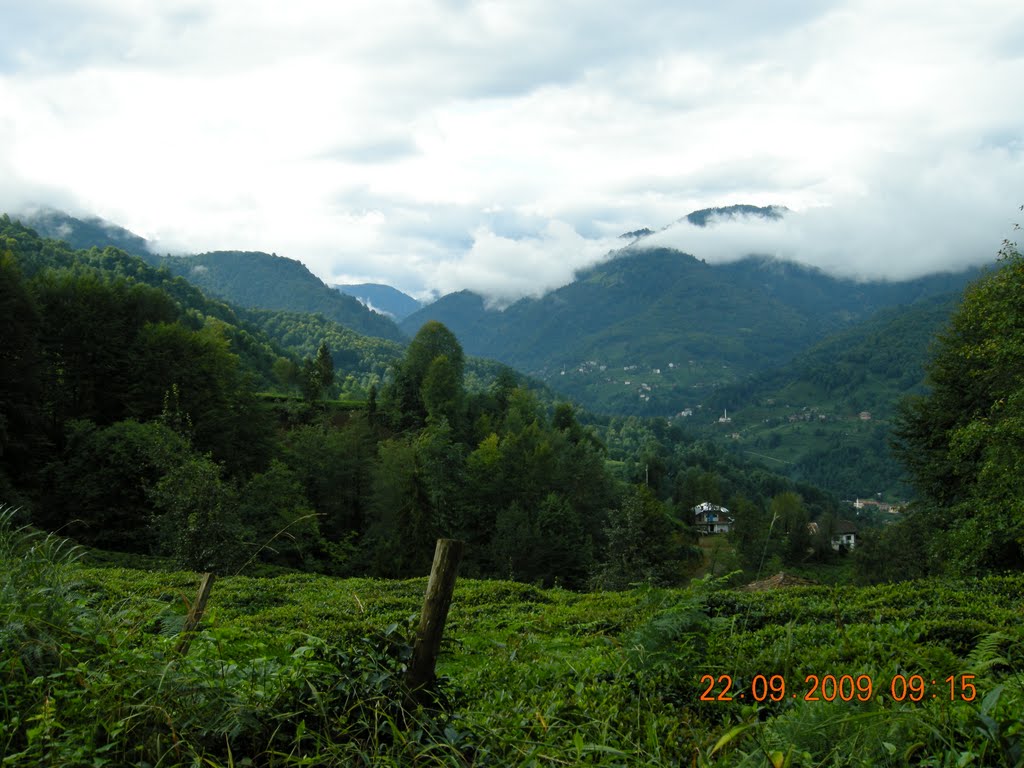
(499, 145)
(505, 269)
(910, 220)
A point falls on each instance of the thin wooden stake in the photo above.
(195, 614)
(436, 601)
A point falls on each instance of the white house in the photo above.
(844, 535)
(712, 518)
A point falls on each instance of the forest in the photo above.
(142, 417)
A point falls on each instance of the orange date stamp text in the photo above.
(900, 688)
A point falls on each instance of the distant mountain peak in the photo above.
(382, 299)
(636, 234)
(701, 218)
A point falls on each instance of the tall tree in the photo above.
(444, 388)
(963, 442)
(644, 544)
(318, 373)
(99, 490)
(792, 519)
(19, 373)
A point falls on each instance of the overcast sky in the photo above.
(500, 146)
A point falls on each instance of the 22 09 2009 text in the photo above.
(900, 688)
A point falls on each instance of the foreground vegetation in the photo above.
(305, 670)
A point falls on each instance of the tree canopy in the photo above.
(963, 442)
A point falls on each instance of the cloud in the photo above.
(505, 269)
(501, 145)
(909, 220)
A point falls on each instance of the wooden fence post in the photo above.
(436, 601)
(195, 613)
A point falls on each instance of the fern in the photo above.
(987, 654)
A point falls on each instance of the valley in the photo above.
(507, 384)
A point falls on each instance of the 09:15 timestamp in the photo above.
(843, 687)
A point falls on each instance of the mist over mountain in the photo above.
(88, 232)
(649, 330)
(653, 330)
(383, 299)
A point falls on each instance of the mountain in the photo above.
(91, 232)
(825, 417)
(256, 280)
(268, 281)
(654, 330)
(702, 217)
(383, 299)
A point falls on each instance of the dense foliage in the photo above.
(962, 442)
(308, 670)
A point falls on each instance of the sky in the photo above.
(502, 145)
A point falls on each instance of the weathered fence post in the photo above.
(436, 601)
(195, 613)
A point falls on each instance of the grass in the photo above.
(309, 670)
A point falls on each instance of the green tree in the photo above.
(287, 374)
(643, 544)
(751, 533)
(213, 391)
(196, 518)
(20, 385)
(335, 468)
(318, 373)
(792, 520)
(962, 442)
(89, 342)
(405, 394)
(274, 507)
(401, 535)
(99, 490)
(441, 391)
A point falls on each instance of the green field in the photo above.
(307, 670)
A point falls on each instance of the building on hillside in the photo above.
(844, 535)
(879, 506)
(712, 518)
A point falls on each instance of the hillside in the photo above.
(654, 331)
(90, 232)
(268, 281)
(825, 417)
(248, 279)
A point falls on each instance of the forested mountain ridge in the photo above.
(248, 279)
(267, 281)
(869, 366)
(89, 232)
(653, 330)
